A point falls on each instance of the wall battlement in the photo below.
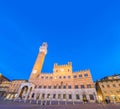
(64, 65)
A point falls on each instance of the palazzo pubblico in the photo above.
(63, 85)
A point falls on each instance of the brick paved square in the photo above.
(16, 105)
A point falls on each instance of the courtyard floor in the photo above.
(16, 105)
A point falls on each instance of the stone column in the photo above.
(41, 101)
(40, 96)
(66, 99)
(57, 98)
(45, 98)
(81, 98)
(35, 95)
(67, 96)
(50, 98)
(37, 98)
(88, 98)
(26, 95)
(30, 97)
(73, 97)
(95, 96)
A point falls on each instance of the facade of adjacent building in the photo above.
(13, 88)
(109, 88)
(4, 86)
(61, 85)
(3, 78)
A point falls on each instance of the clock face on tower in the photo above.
(34, 71)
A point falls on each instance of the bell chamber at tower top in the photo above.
(43, 48)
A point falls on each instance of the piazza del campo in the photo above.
(61, 89)
(59, 54)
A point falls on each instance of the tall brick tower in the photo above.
(39, 62)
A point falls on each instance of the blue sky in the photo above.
(87, 33)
